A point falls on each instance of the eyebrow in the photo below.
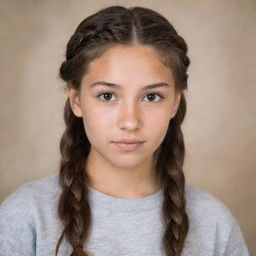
(147, 87)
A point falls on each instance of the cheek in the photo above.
(157, 125)
(97, 123)
(160, 129)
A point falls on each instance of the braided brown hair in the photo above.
(94, 35)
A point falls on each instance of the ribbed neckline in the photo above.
(124, 204)
(107, 202)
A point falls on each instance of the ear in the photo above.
(176, 104)
(74, 101)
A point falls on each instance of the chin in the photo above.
(127, 161)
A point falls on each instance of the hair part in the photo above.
(111, 26)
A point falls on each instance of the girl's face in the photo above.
(118, 101)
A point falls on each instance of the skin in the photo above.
(127, 112)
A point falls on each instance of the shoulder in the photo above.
(31, 194)
(205, 206)
(211, 219)
(200, 202)
(23, 212)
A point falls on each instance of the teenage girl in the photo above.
(120, 190)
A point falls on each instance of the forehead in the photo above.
(135, 64)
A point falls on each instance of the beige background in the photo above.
(219, 128)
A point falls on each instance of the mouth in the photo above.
(128, 145)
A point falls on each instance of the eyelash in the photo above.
(161, 96)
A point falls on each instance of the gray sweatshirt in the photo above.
(29, 224)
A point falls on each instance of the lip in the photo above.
(129, 141)
(128, 146)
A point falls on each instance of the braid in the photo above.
(73, 204)
(169, 165)
(171, 158)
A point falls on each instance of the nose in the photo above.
(129, 117)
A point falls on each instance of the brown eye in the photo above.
(152, 96)
(106, 96)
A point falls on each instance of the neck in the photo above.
(123, 182)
